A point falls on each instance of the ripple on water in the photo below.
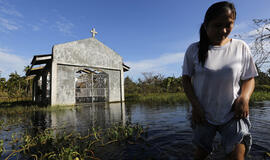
(168, 133)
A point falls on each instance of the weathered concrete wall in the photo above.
(65, 85)
(54, 84)
(114, 85)
(122, 85)
(87, 52)
(72, 56)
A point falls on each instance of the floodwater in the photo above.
(168, 133)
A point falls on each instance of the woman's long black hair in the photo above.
(213, 12)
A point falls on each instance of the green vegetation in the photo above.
(150, 89)
(16, 88)
(173, 98)
(50, 145)
(260, 96)
(157, 89)
(264, 88)
(152, 98)
(32, 108)
(151, 83)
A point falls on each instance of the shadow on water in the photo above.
(168, 133)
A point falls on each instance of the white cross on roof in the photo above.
(93, 31)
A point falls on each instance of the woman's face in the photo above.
(219, 28)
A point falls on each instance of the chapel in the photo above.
(82, 71)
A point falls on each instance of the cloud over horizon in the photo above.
(10, 63)
(166, 64)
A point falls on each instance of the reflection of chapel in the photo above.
(81, 71)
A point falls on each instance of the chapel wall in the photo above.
(87, 52)
(69, 57)
(66, 84)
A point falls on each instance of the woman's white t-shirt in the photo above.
(217, 84)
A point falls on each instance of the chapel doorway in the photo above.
(91, 86)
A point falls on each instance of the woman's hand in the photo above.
(241, 107)
(198, 116)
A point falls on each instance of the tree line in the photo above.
(15, 86)
(20, 86)
(153, 83)
(157, 83)
(260, 48)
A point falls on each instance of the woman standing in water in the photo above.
(218, 77)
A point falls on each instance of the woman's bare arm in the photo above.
(242, 102)
(197, 111)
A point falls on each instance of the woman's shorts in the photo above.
(233, 132)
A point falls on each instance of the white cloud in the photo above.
(11, 63)
(240, 29)
(247, 30)
(259, 30)
(64, 25)
(8, 17)
(242, 26)
(166, 64)
(44, 21)
(9, 10)
(35, 27)
(9, 25)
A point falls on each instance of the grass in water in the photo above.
(48, 145)
(157, 98)
(180, 97)
(260, 96)
(32, 108)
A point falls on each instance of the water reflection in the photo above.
(260, 119)
(168, 130)
(169, 135)
(40, 121)
(80, 118)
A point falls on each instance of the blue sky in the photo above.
(150, 35)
